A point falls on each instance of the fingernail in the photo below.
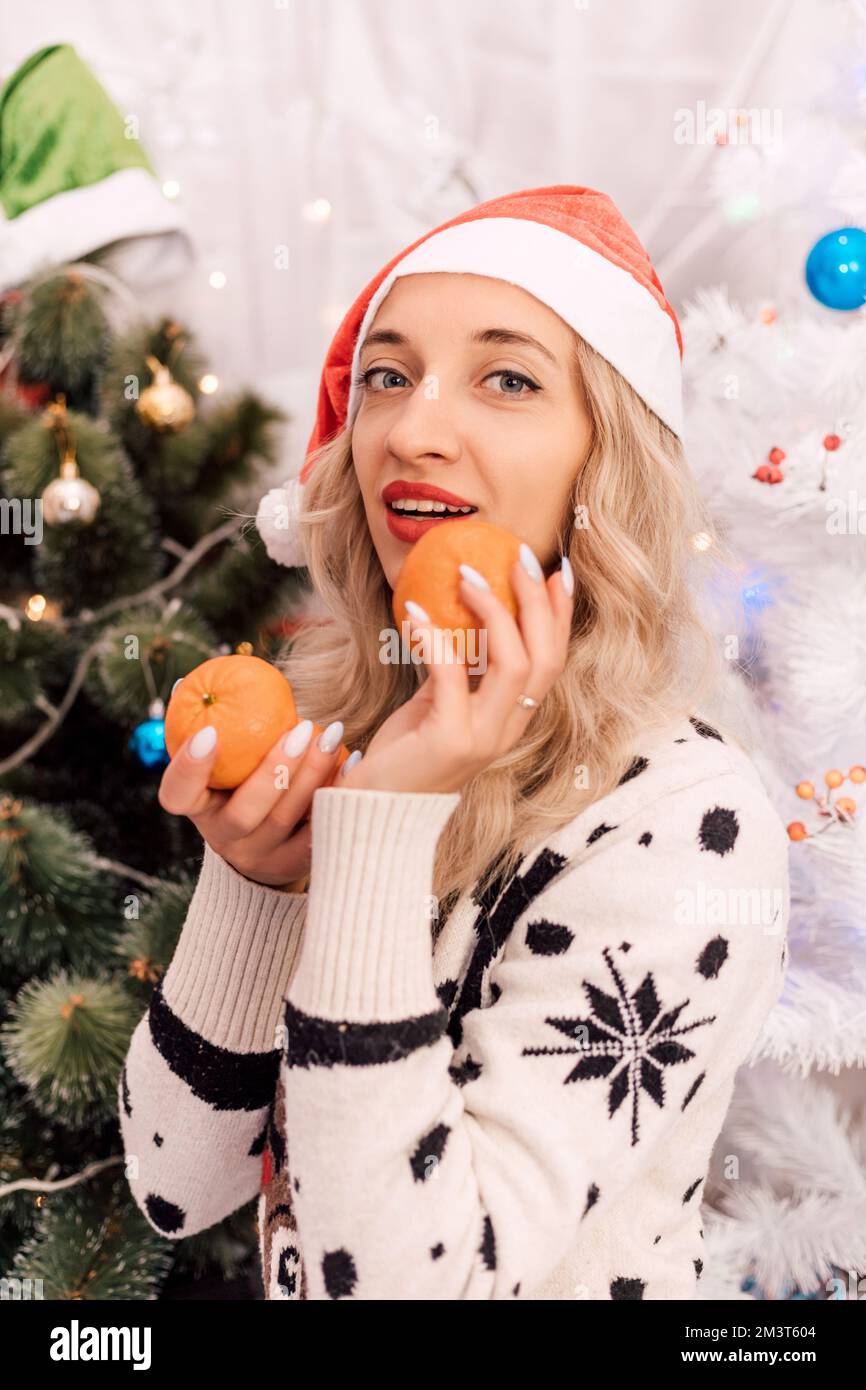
(202, 742)
(567, 575)
(330, 739)
(351, 761)
(176, 684)
(529, 562)
(297, 738)
(417, 612)
(474, 577)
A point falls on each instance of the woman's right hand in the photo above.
(262, 827)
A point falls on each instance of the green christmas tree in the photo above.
(140, 561)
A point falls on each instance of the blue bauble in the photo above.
(836, 269)
(147, 742)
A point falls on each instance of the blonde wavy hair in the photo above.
(640, 653)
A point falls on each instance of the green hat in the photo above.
(72, 182)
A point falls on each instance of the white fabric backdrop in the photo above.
(403, 115)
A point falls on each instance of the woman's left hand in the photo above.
(446, 734)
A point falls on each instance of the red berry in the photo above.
(776, 455)
(776, 475)
(762, 473)
(831, 441)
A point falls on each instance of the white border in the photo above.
(601, 301)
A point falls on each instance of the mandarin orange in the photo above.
(431, 572)
(248, 701)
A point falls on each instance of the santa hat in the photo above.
(569, 247)
(72, 182)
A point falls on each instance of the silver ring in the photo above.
(527, 702)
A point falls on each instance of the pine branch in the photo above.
(37, 1185)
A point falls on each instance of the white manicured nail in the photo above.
(330, 739)
(529, 562)
(351, 761)
(567, 575)
(417, 612)
(203, 742)
(474, 577)
(176, 684)
(297, 738)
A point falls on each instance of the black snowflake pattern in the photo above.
(628, 1039)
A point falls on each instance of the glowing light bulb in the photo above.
(317, 210)
(208, 384)
(217, 280)
(171, 188)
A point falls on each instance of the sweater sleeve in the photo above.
(196, 1092)
(457, 1157)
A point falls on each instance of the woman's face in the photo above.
(457, 400)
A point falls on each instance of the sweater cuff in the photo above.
(367, 954)
(233, 961)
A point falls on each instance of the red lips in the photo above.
(424, 492)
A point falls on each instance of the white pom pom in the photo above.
(277, 523)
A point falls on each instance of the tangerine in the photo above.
(431, 572)
(248, 701)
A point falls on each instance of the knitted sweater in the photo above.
(514, 1095)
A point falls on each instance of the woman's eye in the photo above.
(518, 377)
(365, 378)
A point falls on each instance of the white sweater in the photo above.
(516, 1098)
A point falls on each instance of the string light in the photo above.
(36, 606)
(217, 279)
(702, 540)
(208, 384)
(317, 210)
(171, 188)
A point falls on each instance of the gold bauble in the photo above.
(70, 498)
(165, 405)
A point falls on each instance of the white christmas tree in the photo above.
(776, 433)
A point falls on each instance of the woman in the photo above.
(488, 1054)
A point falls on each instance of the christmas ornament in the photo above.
(69, 498)
(431, 574)
(165, 405)
(147, 740)
(247, 700)
(843, 809)
(836, 269)
(771, 472)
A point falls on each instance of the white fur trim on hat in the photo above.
(78, 221)
(277, 523)
(602, 302)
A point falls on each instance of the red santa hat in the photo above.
(573, 250)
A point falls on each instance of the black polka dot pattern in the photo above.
(622, 1288)
(600, 830)
(705, 730)
(339, 1274)
(429, 1153)
(637, 767)
(718, 831)
(646, 838)
(437, 1251)
(548, 938)
(167, 1216)
(712, 958)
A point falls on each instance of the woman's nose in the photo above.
(425, 424)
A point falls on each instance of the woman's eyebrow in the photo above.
(391, 338)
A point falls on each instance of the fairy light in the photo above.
(171, 188)
(317, 210)
(208, 384)
(217, 279)
(36, 605)
(702, 540)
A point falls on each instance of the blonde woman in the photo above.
(488, 1053)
